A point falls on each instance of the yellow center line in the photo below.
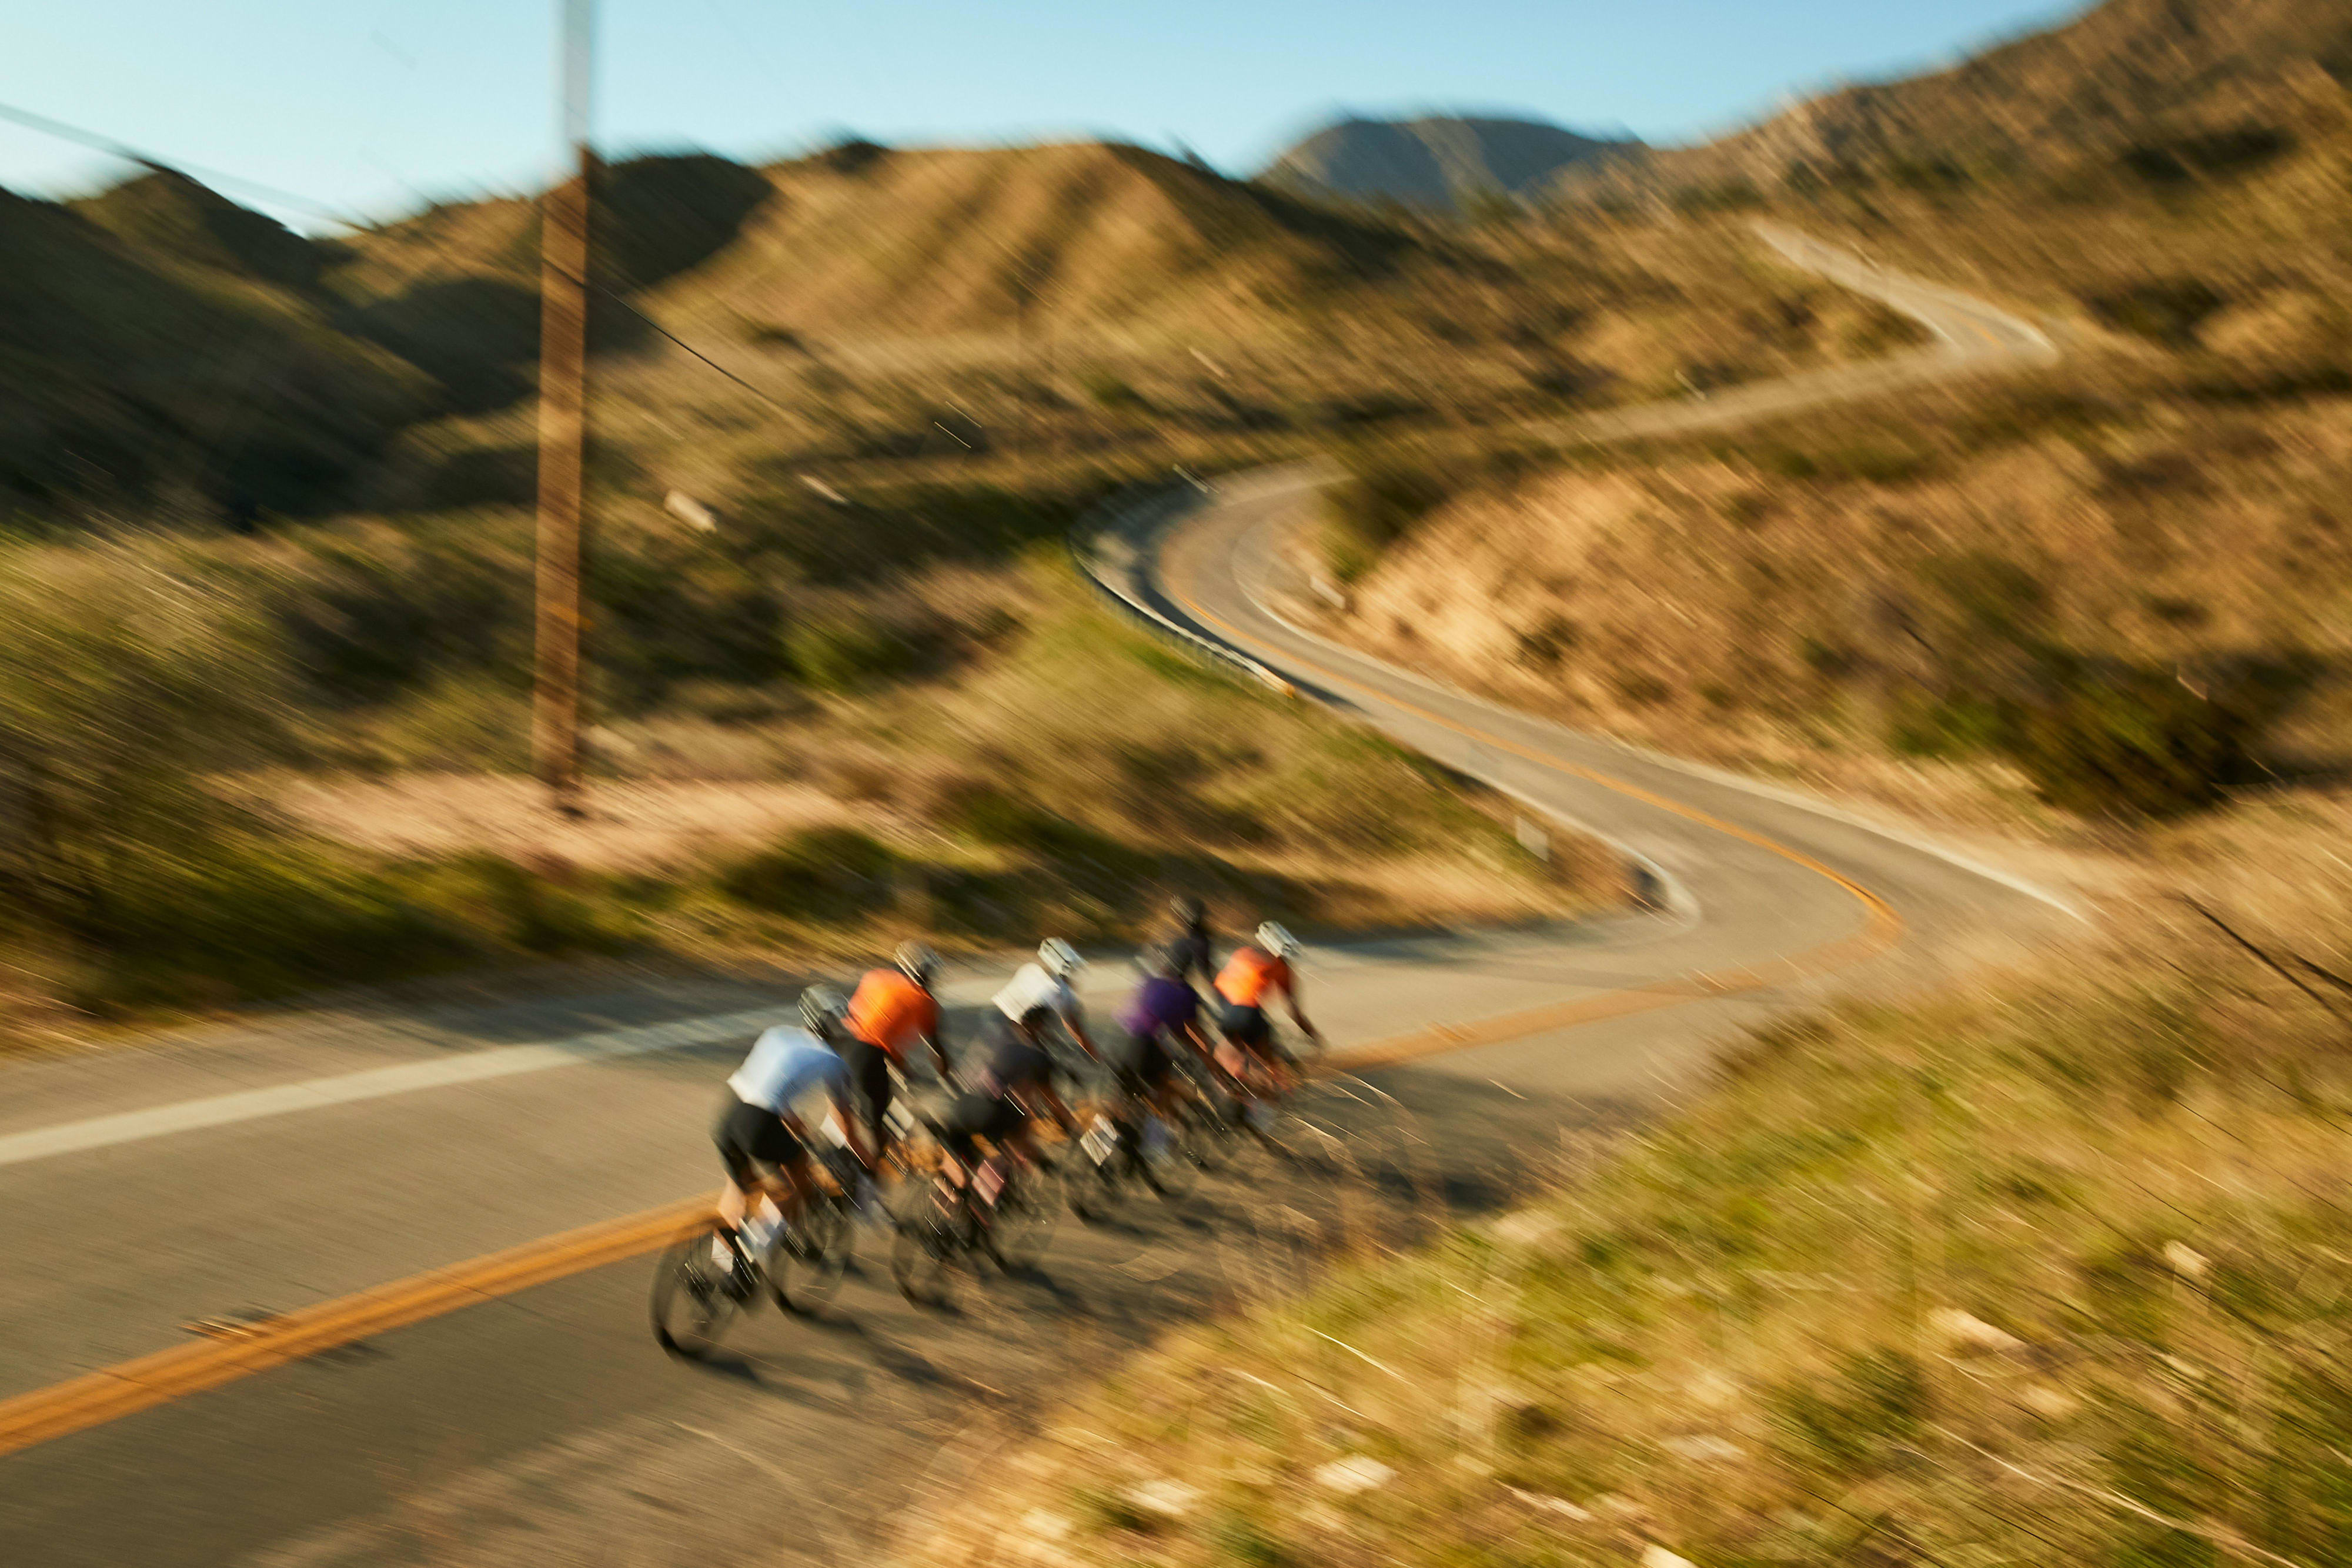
(131, 1386)
(148, 1381)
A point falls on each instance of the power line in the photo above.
(123, 150)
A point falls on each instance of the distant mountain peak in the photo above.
(1434, 161)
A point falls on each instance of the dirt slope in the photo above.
(2129, 74)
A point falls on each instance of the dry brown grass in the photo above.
(2045, 1271)
(1767, 599)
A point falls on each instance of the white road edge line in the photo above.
(376, 1083)
(1888, 284)
(1701, 770)
(1105, 982)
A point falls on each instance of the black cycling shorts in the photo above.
(1143, 1064)
(976, 1115)
(869, 1071)
(749, 1136)
(1246, 1026)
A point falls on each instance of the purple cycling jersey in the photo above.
(1159, 1003)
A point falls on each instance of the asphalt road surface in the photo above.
(316, 1293)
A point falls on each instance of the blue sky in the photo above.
(362, 104)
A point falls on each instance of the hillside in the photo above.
(959, 306)
(951, 306)
(884, 243)
(2129, 77)
(1437, 162)
(173, 353)
(154, 353)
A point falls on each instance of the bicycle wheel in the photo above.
(1022, 1223)
(694, 1299)
(1280, 1133)
(806, 1264)
(931, 1241)
(1171, 1170)
(1089, 1179)
(1206, 1135)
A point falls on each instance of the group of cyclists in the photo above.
(852, 1050)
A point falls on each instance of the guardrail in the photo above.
(1109, 546)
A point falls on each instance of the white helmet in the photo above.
(1059, 958)
(1277, 940)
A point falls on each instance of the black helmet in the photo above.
(917, 962)
(1187, 911)
(822, 1010)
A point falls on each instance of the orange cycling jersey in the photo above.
(889, 1010)
(1250, 974)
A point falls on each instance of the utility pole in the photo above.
(564, 430)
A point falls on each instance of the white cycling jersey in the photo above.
(785, 1064)
(1031, 988)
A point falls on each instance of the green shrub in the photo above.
(1949, 727)
(842, 652)
(821, 873)
(2167, 310)
(2120, 740)
(1856, 1422)
(1113, 393)
(1734, 195)
(232, 919)
(514, 907)
(1370, 511)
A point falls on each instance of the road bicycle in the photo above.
(712, 1277)
(1004, 1211)
(1120, 1148)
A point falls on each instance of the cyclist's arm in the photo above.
(1192, 1034)
(935, 1039)
(1297, 1014)
(1075, 1021)
(844, 1117)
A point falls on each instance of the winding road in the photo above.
(368, 1288)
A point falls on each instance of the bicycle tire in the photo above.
(1174, 1172)
(1088, 1185)
(691, 1306)
(1023, 1224)
(923, 1259)
(1206, 1135)
(806, 1280)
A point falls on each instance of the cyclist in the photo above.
(1189, 945)
(1259, 966)
(761, 1129)
(1163, 1014)
(1003, 1097)
(1046, 983)
(893, 1009)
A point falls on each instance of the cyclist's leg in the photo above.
(796, 1185)
(749, 1141)
(1246, 1036)
(966, 1120)
(870, 1070)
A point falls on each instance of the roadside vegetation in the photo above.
(2112, 588)
(975, 751)
(2049, 1268)
(2089, 594)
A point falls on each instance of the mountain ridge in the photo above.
(2124, 77)
(1435, 163)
